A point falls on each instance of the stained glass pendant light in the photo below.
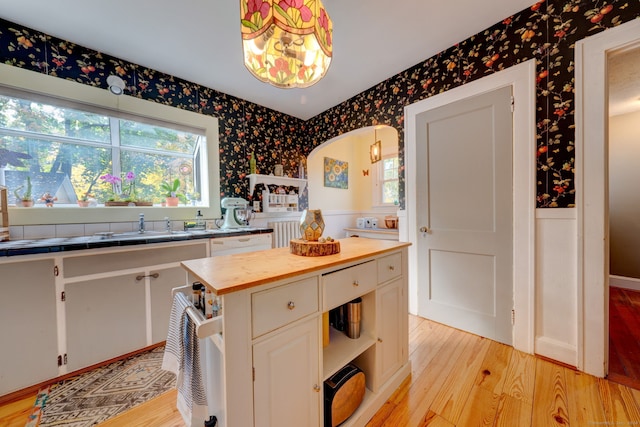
(287, 43)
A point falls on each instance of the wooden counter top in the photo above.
(231, 273)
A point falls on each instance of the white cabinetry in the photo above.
(287, 388)
(28, 331)
(118, 301)
(105, 318)
(391, 348)
(270, 349)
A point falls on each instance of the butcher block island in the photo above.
(283, 335)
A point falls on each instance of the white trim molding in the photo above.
(522, 78)
(591, 118)
(630, 283)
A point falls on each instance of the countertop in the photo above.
(231, 273)
(105, 240)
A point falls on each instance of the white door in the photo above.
(464, 214)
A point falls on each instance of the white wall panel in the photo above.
(556, 284)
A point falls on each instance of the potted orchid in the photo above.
(115, 184)
(170, 190)
(123, 196)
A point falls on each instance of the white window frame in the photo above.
(83, 95)
(378, 181)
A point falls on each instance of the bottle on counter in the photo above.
(202, 299)
(216, 308)
(200, 220)
(195, 294)
(208, 304)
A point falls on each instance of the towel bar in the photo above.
(204, 327)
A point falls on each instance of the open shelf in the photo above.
(255, 178)
(342, 350)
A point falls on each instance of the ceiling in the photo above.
(199, 40)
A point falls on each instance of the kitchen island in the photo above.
(268, 360)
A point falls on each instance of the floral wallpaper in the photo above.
(546, 31)
(244, 127)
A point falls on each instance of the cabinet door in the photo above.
(105, 319)
(161, 300)
(287, 389)
(28, 329)
(390, 348)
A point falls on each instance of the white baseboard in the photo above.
(625, 282)
(556, 350)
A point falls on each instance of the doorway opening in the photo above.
(592, 166)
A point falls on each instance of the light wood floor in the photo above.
(459, 379)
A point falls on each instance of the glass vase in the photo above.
(311, 224)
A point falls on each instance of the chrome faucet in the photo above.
(141, 223)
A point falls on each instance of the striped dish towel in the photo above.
(182, 357)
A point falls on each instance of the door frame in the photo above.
(592, 132)
(522, 79)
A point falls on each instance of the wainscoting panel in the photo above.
(556, 285)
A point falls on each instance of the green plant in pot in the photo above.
(26, 199)
(172, 196)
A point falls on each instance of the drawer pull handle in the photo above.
(291, 305)
(316, 388)
(355, 283)
(379, 339)
(391, 268)
(153, 276)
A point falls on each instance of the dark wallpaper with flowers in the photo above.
(244, 127)
(546, 31)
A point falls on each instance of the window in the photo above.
(387, 181)
(73, 155)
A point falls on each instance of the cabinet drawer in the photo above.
(140, 256)
(344, 285)
(389, 267)
(276, 307)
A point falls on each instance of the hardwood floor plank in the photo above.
(16, 414)
(434, 420)
(513, 412)
(425, 387)
(585, 406)
(454, 393)
(428, 344)
(626, 346)
(158, 412)
(520, 378)
(550, 395)
(492, 372)
(480, 408)
(619, 404)
(624, 336)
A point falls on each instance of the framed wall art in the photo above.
(336, 173)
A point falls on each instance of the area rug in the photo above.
(95, 396)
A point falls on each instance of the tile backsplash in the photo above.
(19, 232)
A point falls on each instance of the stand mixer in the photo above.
(238, 212)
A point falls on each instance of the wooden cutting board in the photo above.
(309, 248)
